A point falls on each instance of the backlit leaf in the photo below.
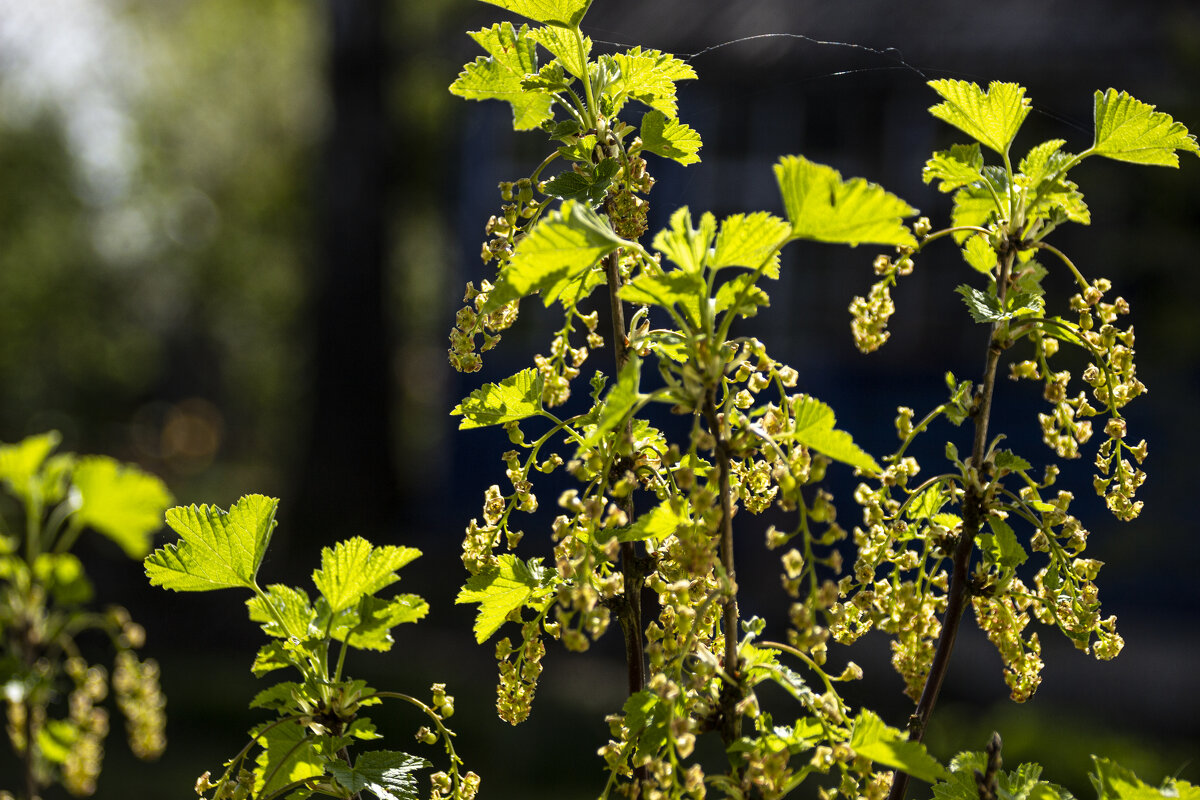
(954, 168)
(354, 568)
(684, 245)
(563, 45)
(384, 773)
(979, 254)
(1130, 130)
(288, 755)
(565, 13)
(888, 746)
(589, 187)
(368, 626)
(656, 524)
(514, 398)
(824, 208)
(749, 240)
(20, 462)
(216, 549)
(669, 138)
(621, 399)
(556, 251)
(983, 306)
(992, 118)
(512, 55)
(120, 501)
(741, 295)
(501, 591)
(286, 605)
(1114, 782)
(648, 76)
(814, 427)
(675, 288)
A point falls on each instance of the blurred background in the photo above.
(233, 237)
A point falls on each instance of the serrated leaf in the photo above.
(21, 462)
(501, 591)
(813, 426)
(619, 401)
(888, 746)
(279, 697)
(959, 166)
(269, 658)
(589, 188)
(927, 503)
(512, 55)
(1007, 460)
(514, 398)
(975, 205)
(992, 118)
(648, 76)
(824, 208)
(656, 524)
(750, 240)
(1115, 782)
(669, 138)
(676, 288)
(685, 246)
(565, 13)
(983, 307)
(387, 774)
(741, 295)
(355, 567)
(557, 250)
(216, 549)
(120, 501)
(369, 625)
(1002, 545)
(287, 756)
(563, 45)
(978, 253)
(1130, 130)
(284, 612)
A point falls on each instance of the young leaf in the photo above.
(1114, 782)
(979, 254)
(588, 188)
(287, 605)
(888, 746)
(288, 755)
(983, 307)
(563, 45)
(669, 138)
(20, 462)
(1130, 130)
(121, 502)
(1002, 545)
(512, 55)
(957, 167)
(564, 13)
(216, 549)
(824, 208)
(621, 399)
(501, 591)
(749, 240)
(649, 77)
(675, 288)
(656, 524)
(354, 568)
(514, 398)
(384, 773)
(684, 245)
(814, 421)
(992, 118)
(555, 252)
(742, 295)
(369, 625)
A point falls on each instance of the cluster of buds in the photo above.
(520, 669)
(870, 314)
(1004, 620)
(140, 698)
(81, 768)
(470, 322)
(559, 369)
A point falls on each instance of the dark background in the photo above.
(233, 237)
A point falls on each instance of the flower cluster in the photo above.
(870, 314)
(140, 698)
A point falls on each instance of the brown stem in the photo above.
(974, 510)
(731, 693)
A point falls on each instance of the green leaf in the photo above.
(975, 205)
(979, 254)
(888, 746)
(621, 399)
(514, 398)
(814, 427)
(589, 188)
(56, 739)
(741, 295)
(927, 503)
(750, 240)
(286, 605)
(556, 251)
(270, 657)
(1042, 176)
(648, 76)
(992, 118)
(512, 55)
(657, 524)
(1114, 782)
(355, 568)
(684, 245)
(669, 138)
(501, 591)
(1023, 783)
(1001, 545)
(564, 13)
(64, 576)
(20, 463)
(1130, 130)
(983, 307)
(824, 208)
(216, 549)
(288, 755)
(563, 45)
(387, 774)
(959, 166)
(675, 288)
(280, 697)
(120, 501)
(369, 625)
